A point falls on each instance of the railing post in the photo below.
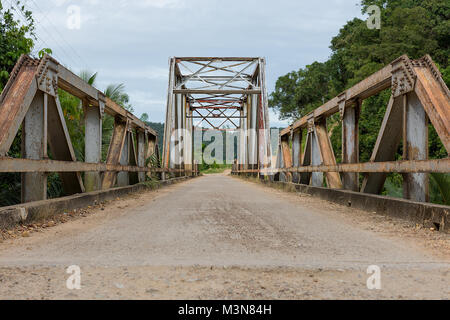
(296, 153)
(34, 146)
(350, 143)
(287, 161)
(415, 146)
(316, 159)
(93, 143)
(253, 136)
(123, 178)
(243, 149)
(115, 150)
(140, 136)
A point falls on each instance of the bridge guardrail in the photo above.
(30, 102)
(418, 95)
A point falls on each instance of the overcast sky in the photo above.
(130, 41)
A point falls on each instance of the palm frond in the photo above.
(88, 76)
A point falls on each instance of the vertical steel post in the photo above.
(316, 160)
(415, 146)
(243, 147)
(253, 153)
(169, 116)
(280, 163)
(123, 178)
(287, 159)
(296, 153)
(188, 138)
(92, 145)
(140, 136)
(350, 144)
(34, 145)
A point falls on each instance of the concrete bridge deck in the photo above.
(218, 236)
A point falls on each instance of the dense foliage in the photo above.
(412, 27)
(15, 39)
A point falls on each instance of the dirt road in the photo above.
(221, 237)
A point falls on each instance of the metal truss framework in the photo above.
(419, 96)
(220, 93)
(30, 101)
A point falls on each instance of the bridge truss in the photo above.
(216, 93)
(419, 97)
(30, 109)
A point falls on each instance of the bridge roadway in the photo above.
(218, 236)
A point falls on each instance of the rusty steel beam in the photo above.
(47, 165)
(407, 166)
(21, 87)
(286, 157)
(61, 146)
(372, 85)
(327, 154)
(296, 153)
(215, 58)
(132, 159)
(15, 100)
(70, 82)
(115, 110)
(305, 177)
(386, 146)
(434, 97)
(115, 151)
(430, 88)
(73, 84)
(228, 91)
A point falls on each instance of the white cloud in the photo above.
(136, 72)
(130, 41)
(171, 4)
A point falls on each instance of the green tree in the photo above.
(15, 39)
(117, 93)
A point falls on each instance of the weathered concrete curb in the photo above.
(425, 214)
(34, 211)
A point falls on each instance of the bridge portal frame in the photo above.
(232, 90)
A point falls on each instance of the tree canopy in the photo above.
(412, 27)
(15, 39)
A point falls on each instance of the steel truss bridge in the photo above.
(221, 93)
(217, 94)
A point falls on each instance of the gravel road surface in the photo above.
(220, 237)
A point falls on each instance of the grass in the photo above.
(151, 183)
(216, 169)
